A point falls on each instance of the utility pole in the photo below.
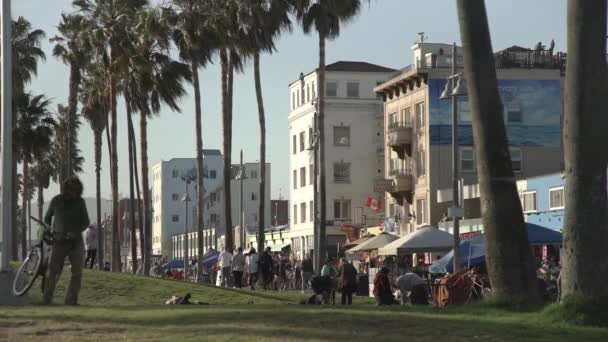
(455, 178)
(316, 235)
(188, 177)
(242, 212)
(7, 137)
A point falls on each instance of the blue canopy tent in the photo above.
(176, 263)
(210, 258)
(473, 252)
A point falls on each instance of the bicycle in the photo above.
(35, 265)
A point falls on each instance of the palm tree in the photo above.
(70, 47)
(510, 262)
(32, 138)
(325, 17)
(195, 40)
(108, 22)
(42, 173)
(264, 20)
(585, 221)
(64, 145)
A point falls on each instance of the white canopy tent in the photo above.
(376, 242)
(426, 239)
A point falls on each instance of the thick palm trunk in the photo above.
(116, 263)
(40, 193)
(227, 138)
(139, 222)
(100, 233)
(15, 205)
(262, 120)
(200, 190)
(322, 233)
(75, 78)
(508, 253)
(24, 192)
(585, 270)
(133, 236)
(143, 128)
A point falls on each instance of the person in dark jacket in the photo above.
(307, 273)
(382, 288)
(347, 278)
(267, 269)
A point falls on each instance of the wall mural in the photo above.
(531, 112)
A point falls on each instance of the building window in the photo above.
(312, 211)
(556, 198)
(314, 90)
(213, 218)
(342, 172)
(293, 101)
(175, 174)
(341, 136)
(213, 174)
(175, 218)
(175, 197)
(253, 174)
(294, 142)
(298, 98)
(302, 177)
(254, 197)
(295, 213)
(393, 120)
(342, 209)
(516, 160)
(406, 116)
(308, 93)
(352, 89)
(421, 211)
(213, 197)
(421, 163)
(467, 160)
(420, 115)
(311, 174)
(513, 114)
(295, 179)
(331, 89)
(303, 212)
(529, 201)
(302, 145)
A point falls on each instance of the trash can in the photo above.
(363, 285)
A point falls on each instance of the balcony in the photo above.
(399, 138)
(403, 185)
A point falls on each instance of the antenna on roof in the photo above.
(422, 37)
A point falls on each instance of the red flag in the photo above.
(374, 204)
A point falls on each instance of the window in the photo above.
(352, 89)
(175, 218)
(302, 177)
(253, 174)
(393, 119)
(342, 209)
(213, 218)
(298, 98)
(342, 172)
(513, 113)
(516, 159)
(341, 136)
(295, 213)
(314, 90)
(175, 197)
(421, 163)
(312, 211)
(302, 145)
(213, 197)
(310, 137)
(303, 212)
(406, 116)
(294, 142)
(308, 93)
(420, 115)
(175, 174)
(464, 112)
(293, 101)
(295, 179)
(467, 160)
(331, 89)
(254, 197)
(556, 198)
(529, 201)
(213, 174)
(311, 174)
(421, 211)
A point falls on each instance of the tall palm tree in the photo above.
(325, 17)
(64, 145)
(510, 262)
(264, 20)
(193, 36)
(32, 138)
(108, 22)
(586, 219)
(42, 173)
(70, 47)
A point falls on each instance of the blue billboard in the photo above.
(531, 110)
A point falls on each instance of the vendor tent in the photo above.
(358, 241)
(211, 257)
(426, 239)
(376, 242)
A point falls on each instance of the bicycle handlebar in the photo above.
(38, 221)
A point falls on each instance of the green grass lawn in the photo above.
(125, 307)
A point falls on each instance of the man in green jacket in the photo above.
(67, 215)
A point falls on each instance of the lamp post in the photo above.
(455, 87)
(7, 137)
(315, 149)
(187, 177)
(242, 176)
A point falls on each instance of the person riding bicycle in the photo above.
(68, 217)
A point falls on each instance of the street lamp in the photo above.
(455, 86)
(188, 177)
(242, 176)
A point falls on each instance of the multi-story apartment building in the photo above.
(168, 190)
(353, 148)
(279, 211)
(418, 128)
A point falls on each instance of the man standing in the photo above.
(307, 272)
(90, 245)
(347, 277)
(267, 266)
(253, 261)
(225, 261)
(238, 266)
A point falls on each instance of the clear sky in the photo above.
(382, 34)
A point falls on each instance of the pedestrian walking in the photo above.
(67, 215)
(90, 245)
(347, 281)
(307, 272)
(238, 267)
(267, 269)
(225, 261)
(253, 261)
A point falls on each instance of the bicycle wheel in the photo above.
(27, 273)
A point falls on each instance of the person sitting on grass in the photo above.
(415, 285)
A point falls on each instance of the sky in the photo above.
(382, 34)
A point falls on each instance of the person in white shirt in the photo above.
(411, 282)
(253, 261)
(238, 267)
(225, 261)
(90, 245)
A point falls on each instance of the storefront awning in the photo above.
(280, 247)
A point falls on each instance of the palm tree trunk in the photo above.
(322, 234)
(15, 205)
(75, 77)
(140, 220)
(133, 237)
(262, 120)
(586, 219)
(116, 262)
(40, 193)
(227, 136)
(508, 253)
(24, 195)
(143, 131)
(200, 190)
(100, 234)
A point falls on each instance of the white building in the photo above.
(354, 149)
(168, 189)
